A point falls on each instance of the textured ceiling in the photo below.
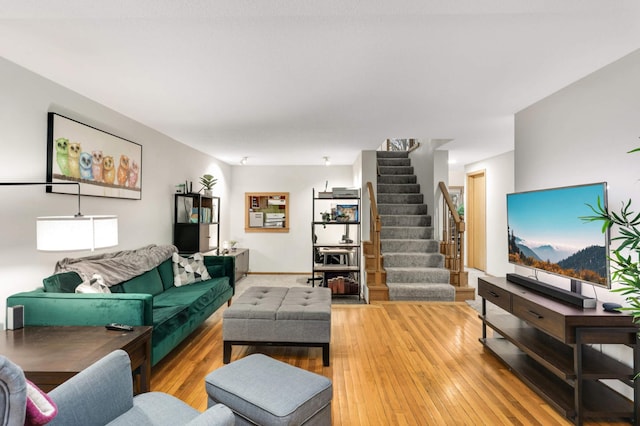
(289, 82)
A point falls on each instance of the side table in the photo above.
(241, 257)
(51, 355)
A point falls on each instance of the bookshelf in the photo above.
(196, 223)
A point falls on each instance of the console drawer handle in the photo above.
(494, 294)
(535, 314)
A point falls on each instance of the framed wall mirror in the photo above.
(266, 212)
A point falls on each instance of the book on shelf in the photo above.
(205, 215)
(194, 215)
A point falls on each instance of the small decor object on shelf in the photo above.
(232, 244)
(208, 181)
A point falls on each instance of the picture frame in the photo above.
(266, 212)
(350, 211)
(104, 164)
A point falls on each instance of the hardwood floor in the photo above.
(391, 363)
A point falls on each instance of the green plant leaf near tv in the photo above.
(624, 257)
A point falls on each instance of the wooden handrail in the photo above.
(372, 200)
(374, 228)
(449, 201)
(452, 245)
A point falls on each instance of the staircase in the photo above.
(412, 260)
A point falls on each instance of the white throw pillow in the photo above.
(188, 270)
(94, 285)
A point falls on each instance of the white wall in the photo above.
(26, 99)
(499, 172)
(581, 135)
(289, 252)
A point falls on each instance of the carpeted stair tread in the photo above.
(405, 220)
(397, 179)
(416, 274)
(395, 170)
(431, 260)
(401, 198)
(442, 292)
(405, 245)
(398, 188)
(402, 209)
(406, 232)
(394, 162)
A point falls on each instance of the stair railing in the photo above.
(401, 145)
(374, 235)
(452, 244)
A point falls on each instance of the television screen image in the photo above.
(546, 232)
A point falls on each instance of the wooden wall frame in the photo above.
(266, 212)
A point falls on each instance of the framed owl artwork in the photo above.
(104, 164)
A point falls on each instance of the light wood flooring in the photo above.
(392, 363)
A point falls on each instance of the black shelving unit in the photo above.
(196, 223)
(336, 243)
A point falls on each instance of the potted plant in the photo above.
(326, 217)
(207, 182)
(625, 257)
(232, 244)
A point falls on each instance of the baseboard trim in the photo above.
(278, 273)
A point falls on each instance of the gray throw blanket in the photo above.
(118, 266)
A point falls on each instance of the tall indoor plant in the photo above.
(625, 257)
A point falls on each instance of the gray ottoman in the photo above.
(296, 316)
(264, 391)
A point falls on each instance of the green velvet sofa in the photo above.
(148, 299)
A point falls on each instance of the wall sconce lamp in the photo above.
(243, 161)
(326, 161)
(77, 232)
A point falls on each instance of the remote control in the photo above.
(119, 327)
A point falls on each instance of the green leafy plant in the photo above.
(208, 181)
(326, 217)
(625, 257)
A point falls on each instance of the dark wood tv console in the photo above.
(546, 343)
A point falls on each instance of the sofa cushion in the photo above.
(149, 283)
(195, 296)
(166, 273)
(187, 270)
(65, 282)
(166, 320)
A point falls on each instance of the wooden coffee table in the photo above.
(51, 355)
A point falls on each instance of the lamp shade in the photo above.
(68, 233)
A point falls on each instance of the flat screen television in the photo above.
(546, 233)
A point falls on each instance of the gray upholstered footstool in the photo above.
(264, 391)
(296, 316)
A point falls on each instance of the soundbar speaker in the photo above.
(15, 317)
(554, 292)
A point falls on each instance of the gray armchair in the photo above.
(13, 394)
(103, 394)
